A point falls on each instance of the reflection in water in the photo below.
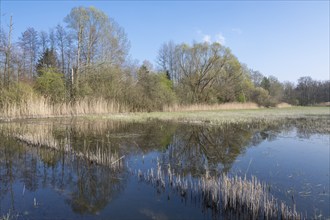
(227, 196)
(95, 187)
(196, 148)
(87, 187)
(85, 161)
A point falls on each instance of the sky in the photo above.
(285, 39)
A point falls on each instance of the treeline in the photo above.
(87, 59)
(210, 73)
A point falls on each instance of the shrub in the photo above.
(261, 97)
(51, 85)
(15, 93)
(152, 92)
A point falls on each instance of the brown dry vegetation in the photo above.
(204, 107)
(283, 105)
(42, 108)
(101, 108)
(323, 104)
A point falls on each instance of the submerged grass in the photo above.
(223, 194)
(249, 197)
(5, 217)
(9, 216)
(42, 135)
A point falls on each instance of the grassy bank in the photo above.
(222, 116)
(217, 114)
(39, 107)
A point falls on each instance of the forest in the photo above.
(84, 66)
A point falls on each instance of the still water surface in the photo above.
(70, 169)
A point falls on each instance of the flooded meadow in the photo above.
(100, 169)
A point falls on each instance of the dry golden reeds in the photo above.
(206, 107)
(244, 197)
(283, 105)
(323, 104)
(43, 135)
(41, 107)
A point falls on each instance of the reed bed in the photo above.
(41, 108)
(224, 194)
(6, 216)
(43, 136)
(206, 107)
(283, 105)
(323, 104)
(10, 216)
(102, 109)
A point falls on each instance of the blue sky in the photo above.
(286, 39)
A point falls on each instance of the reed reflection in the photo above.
(85, 161)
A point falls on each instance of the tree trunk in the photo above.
(8, 55)
(77, 72)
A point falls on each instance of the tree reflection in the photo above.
(91, 185)
(77, 156)
(195, 148)
(30, 172)
(95, 187)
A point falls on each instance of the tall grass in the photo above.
(323, 104)
(41, 107)
(283, 105)
(6, 217)
(249, 199)
(205, 107)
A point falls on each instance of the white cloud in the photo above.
(237, 31)
(207, 38)
(220, 39)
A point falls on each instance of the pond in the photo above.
(101, 169)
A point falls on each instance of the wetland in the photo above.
(98, 168)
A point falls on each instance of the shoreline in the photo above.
(197, 116)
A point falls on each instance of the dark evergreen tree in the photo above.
(265, 84)
(48, 60)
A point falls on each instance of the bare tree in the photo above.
(29, 44)
(61, 42)
(52, 39)
(7, 71)
(76, 20)
(17, 62)
(3, 45)
(44, 40)
(69, 52)
(289, 94)
(199, 67)
(256, 77)
(98, 39)
(166, 60)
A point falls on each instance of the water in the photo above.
(69, 169)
